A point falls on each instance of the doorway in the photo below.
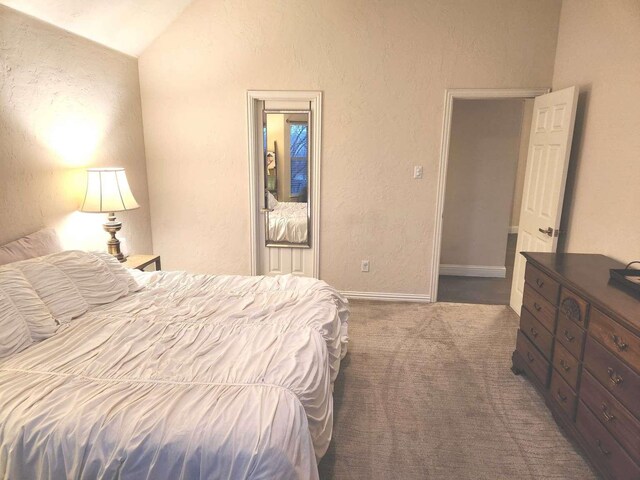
(485, 280)
(545, 177)
(485, 177)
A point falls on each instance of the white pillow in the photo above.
(70, 282)
(15, 335)
(21, 305)
(271, 201)
(122, 273)
(91, 275)
(34, 245)
(57, 291)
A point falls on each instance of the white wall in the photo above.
(124, 25)
(599, 51)
(481, 174)
(383, 67)
(66, 104)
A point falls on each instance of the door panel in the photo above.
(275, 263)
(545, 179)
(297, 261)
(280, 260)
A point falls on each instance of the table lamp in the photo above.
(107, 192)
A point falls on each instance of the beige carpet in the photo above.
(426, 392)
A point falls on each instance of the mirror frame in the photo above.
(265, 206)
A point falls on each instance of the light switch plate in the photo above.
(417, 171)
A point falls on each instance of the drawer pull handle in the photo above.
(603, 450)
(562, 397)
(539, 282)
(568, 336)
(605, 413)
(533, 332)
(565, 366)
(537, 307)
(614, 377)
(530, 357)
(619, 343)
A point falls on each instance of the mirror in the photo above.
(286, 177)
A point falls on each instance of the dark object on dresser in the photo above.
(628, 277)
(579, 343)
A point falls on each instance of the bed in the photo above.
(159, 375)
(287, 221)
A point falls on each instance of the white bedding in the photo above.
(192, 377)
(288, 222)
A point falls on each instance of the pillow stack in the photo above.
(40, 294)
(24, 318)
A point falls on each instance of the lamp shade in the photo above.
(107, 191)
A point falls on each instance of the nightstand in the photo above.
(142, 261)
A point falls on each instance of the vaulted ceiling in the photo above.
(128, 26)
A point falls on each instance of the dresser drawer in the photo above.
(540, 336)
(616, 338)
(544, 312)
(573, 307)
(571, 336)
(614, 375)
(563, 395)
(542, 283)
(566, 364)
(606, 452)
(617, 419)
(536, 363)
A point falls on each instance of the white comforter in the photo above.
(193, 377)
(288, 222)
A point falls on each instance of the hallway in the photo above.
(491, 291)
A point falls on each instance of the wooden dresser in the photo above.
(579, 343)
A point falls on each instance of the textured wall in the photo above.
(66, 103)
(483, 156)
(124, 25)
(599, 51)
(383, 67)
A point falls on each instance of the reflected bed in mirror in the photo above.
(287, 221)
(286, 171)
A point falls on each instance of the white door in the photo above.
(281, 261)
(271, 259)
(546, 174)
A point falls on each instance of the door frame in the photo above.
(254, 100)
(450, 95)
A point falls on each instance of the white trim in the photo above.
(449, 95)
(252, 155)
(254, 97)
(473, 271)
(388, 297)
(513, 229)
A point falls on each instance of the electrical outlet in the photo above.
(417, 171)
(364, 266)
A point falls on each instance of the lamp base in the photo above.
(113, 245)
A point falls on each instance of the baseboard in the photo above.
(513, 229)
(389, 297)
(473, 271)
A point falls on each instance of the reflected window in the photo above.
(298, 134)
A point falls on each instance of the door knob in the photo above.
(548, 231)
(266, 210)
